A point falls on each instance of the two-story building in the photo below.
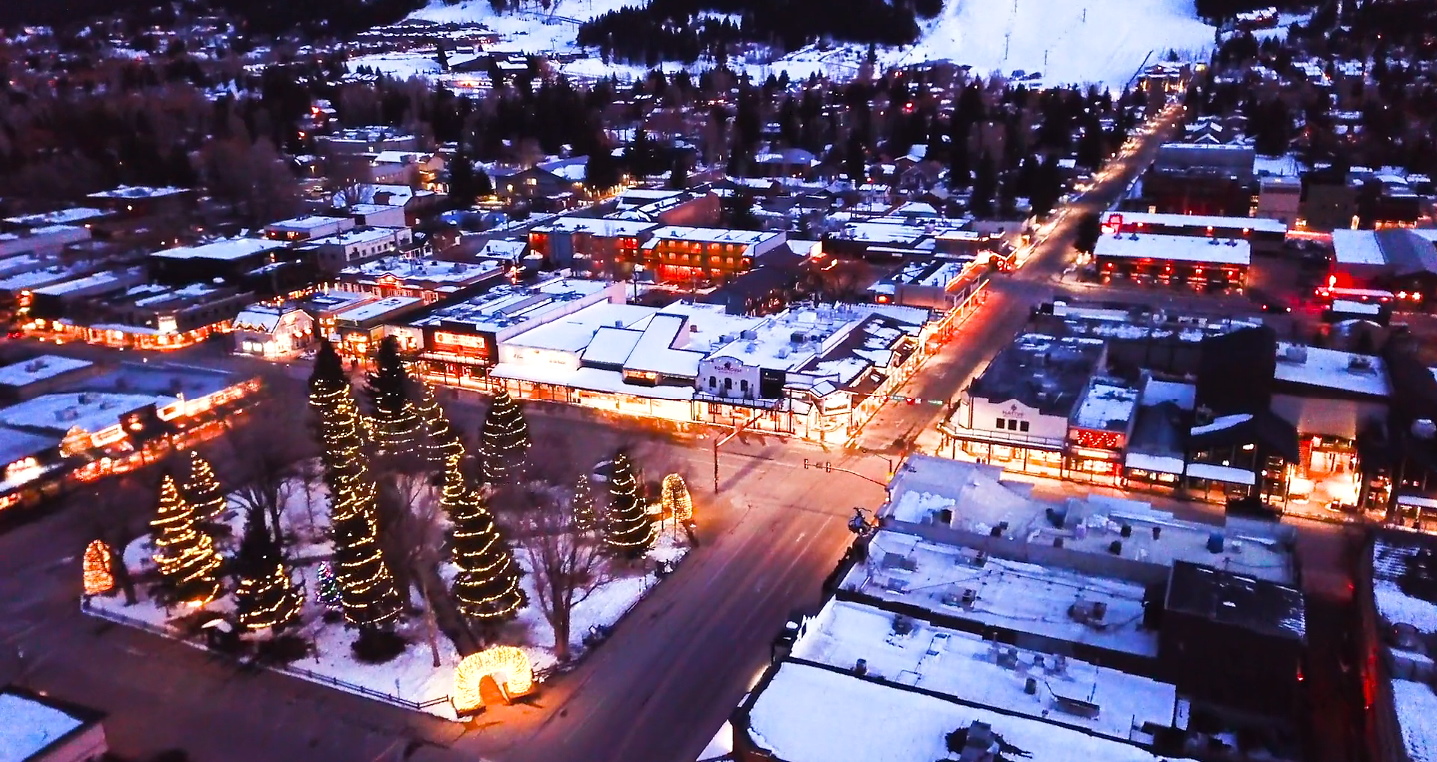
(705, 255)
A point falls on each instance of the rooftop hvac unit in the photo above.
(1088, 612)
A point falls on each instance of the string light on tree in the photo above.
(266, 597)
(586, 519)
(185, 555)
(503, 440)
(327, 591)
(397, 427)
(369, 597)
(441, 438)
(627, 528)
(487, 585)
(202, 490)
(675, 498)
(99, 579)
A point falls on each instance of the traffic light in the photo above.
(828, 466)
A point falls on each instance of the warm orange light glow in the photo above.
(507, 665)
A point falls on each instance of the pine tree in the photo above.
(503, 441)
(266, 597)
(586, 519)
(368, 595)
(440, 437)
(396, 426)
(627, 528)
(985, 185)
(202, 490)
(185, 555)
(487, 585)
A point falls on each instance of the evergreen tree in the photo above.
(487, 585)
(368, 595)
(679, 174)
(985, 185)
(1090, 228)
(586, 519)
(441, 439)
(503, 441)
(396, 426)
(185, 555)
(202, 490)
(266, 597)
(463, 185)
(627, 528)
(483, 186)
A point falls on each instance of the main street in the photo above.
(656, 691)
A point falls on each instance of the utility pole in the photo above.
(721, 442)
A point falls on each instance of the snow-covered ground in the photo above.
(411, 677)
(1101, 42)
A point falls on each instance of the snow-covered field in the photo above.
(1069, 41)
(411, 677)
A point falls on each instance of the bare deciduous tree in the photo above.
(567, 566)
(266, 454)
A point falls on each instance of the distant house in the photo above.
(272, 332)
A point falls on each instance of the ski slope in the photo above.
(1101, 42)
(1069, 41)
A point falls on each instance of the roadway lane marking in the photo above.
(800, 537)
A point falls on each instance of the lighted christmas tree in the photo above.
(627, 528)
(327, 589)
(503, 441)
(586, 519)
(266, 596)
(487, 585)
(99, 578)
(675, 498)
(185, 555)
(441, 438)
(368, 595)
(202, 490)
(397, 427)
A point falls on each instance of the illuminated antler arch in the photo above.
(507, 666)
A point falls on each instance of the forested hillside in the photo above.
(686, 29)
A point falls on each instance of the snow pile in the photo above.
(914, 507)
(1417, 713)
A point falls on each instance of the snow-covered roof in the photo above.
(809, 713)
(29, 371)
(1156, 392)
(88, 281)
(29, 726)
(1012, 595)
(968, 667)
(660, 349)
(227, 249)
(1106, 405)
(138, 191)
(603, 227)
(421, 269)
(58, 217)
(515, 309)
(357, 237)
(576, 331)
(90, 411)
(307, 222)
(1224, 474)
(378, 308)
(1332, 369)
(1179, 248)
(1357, 247)
(713, 235)
(1204, 221)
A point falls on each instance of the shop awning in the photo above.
(1158, 464)
(1226, 474)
